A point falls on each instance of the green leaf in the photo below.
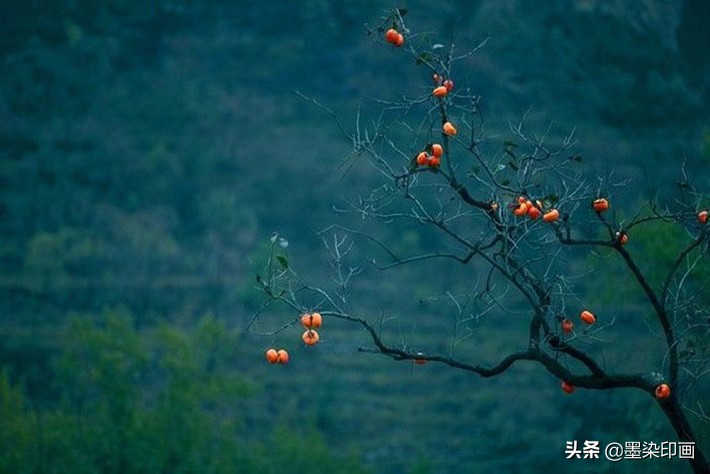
(283, 261)
(552, 198)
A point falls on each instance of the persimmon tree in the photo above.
(517, 210)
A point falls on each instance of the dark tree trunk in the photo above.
(685, 433)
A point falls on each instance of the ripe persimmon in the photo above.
(449, 128)
(567, 387)
(391, 35)
(434, 161)
(521, 210)
(534, 213)
(437, 149)
(600, 205)
(272, 356)
(663, 391)
(521, 199)
(551, 216)
(312, 320)
(567, 326)
(587, 317)
(420, 360)
(400, 40)
(703, 217)
(440, 91)
(449, 84)
(422, 158)
(310, 337)
(622, 237)
(528, 205)
(282, 356)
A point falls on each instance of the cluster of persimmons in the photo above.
(431, 155)
(524, 207)
(394, 37)
(310, 337)
(434, 159)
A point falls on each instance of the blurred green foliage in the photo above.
(656, 245)
(164, 400)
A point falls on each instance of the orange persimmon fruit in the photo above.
(600, 205)
(622, 237)
(282, 356)
(437, 149)
(434, 161)
(420, 360)
(312, 320)
(551, 216)
(587, 317)
(533, 212)
(567, 326)
(521, 210)
(449, 128)
(703, 217)
(391, 36)
(440, 91)
(663, 391)
(567, 387)
(272, 356)
(449, 84)
(422, 158)
(399, 41)
(310, 337)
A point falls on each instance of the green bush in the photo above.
(160, 400)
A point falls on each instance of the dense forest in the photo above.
(148, 151)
